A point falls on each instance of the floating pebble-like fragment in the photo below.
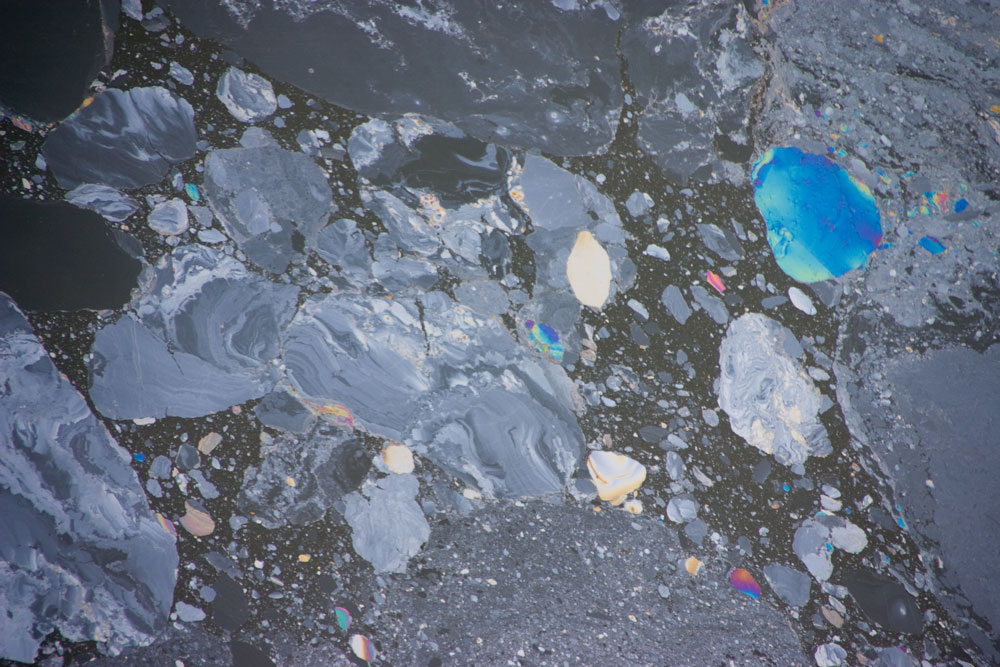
(693, 565)
(363, 648)
(829, 655)
(801, 301)
(343, 617)
(589, 271)
(615, 475)
(633, 506)
(169, 218)
(304, 558)
(197, 521)
(821, 221)
(638, 204)
(715, 280)
(682, 509)
(675, 303)
(789, 584)
(771, 401)
(398, 458)
(832, 617)
(189, 613)
(209, 443)
(744, 582)
(248, 97)
(107, 201)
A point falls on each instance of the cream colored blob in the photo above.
(615, 475)
(398, 459)
(589, 271)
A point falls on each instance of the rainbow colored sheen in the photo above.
(363, 647)
(166, 524)
(931, 245)
(821, 221)
(343, 618)
(744, 582)
(715, 280)
(544, 338)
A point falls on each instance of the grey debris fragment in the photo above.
(123, 139)
(713, 305)
(264, 196)
(110, 203)
(682, 509)
(723, 243)
(801, 301)
(169, 218)
(770, 399)
(189, 613)
(248, 97)
(675, 304)
(323, 465)
(792, 586)
(342, 245)
(388, 527)
(180, 74)
(829, 655)
(638, 204)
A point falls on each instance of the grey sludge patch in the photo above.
(80, 550)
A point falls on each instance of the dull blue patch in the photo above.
(821, 221)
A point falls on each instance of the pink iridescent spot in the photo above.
(744, 582)
(715, 280)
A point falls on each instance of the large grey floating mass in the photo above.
(771, 401)
(452, 384)
(123, 139)
(80, 550)
(270, 201)
(564, 99)
(388, 527)
(201, 339)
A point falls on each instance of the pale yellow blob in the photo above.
(589, 271)
(633, 506)
(398, 458)
(615, 475)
